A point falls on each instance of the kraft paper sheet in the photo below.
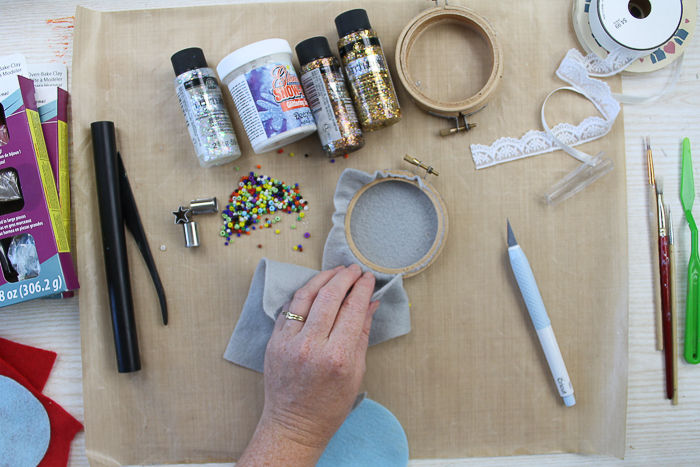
(470, 379)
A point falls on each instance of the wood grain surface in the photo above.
(657, 433)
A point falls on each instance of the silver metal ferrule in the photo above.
(191, 234)
(662, 213)
(202, 206)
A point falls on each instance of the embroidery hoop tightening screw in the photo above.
(458, 127)
(428, 168)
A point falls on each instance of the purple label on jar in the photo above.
(279, 102)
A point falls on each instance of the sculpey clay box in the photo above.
(35, 258)
(50, 82)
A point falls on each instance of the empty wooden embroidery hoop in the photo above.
(441, 232)
(435, 17)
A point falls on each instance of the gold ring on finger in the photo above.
(290, 315)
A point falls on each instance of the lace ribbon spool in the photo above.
(580, 71)
(636, 25)
(435, 17)
(666, 54)
(630, 29)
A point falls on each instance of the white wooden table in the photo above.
(657, 433)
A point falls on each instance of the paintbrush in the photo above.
(674, 304)
(665, 283)
(654, 222)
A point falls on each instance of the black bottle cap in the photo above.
(312, 49)
(188, 59)
(351, 21)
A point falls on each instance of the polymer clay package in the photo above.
(35, 257)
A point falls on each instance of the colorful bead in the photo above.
(256, 196)
(307, 235)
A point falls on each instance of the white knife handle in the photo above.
(528, 287)
(540, 319)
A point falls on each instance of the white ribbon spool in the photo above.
(627, 30)
(636, 25)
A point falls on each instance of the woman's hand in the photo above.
(314, 368)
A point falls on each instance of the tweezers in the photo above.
(132, 220)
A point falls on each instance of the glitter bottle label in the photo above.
(364, 65)
(368, 65)
(373, 91)
(205, 113)
(321, 105)
(270, 101)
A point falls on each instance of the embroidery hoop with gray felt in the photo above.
(396, 225)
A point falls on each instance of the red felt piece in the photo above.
(31, 370)
(32, 363)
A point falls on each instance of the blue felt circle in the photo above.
(370, 436)
(25, 429)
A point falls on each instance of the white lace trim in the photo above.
(574, 71)
(536, 142)
(615, 62)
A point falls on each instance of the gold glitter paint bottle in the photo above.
(367, 72)
(325, 89)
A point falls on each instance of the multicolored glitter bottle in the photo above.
(324, 87)
(205, 112)
(365, 66)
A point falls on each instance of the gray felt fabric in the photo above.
(391, 231)
(274, 283)
(337, 251)
(25, 429)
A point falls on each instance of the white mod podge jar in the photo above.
(267, 94)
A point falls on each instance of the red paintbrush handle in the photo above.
(665, 270)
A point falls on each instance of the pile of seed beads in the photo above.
(255, 197)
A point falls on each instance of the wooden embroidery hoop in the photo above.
(440, 237)
(439, 16)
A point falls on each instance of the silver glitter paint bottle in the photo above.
(203, 105)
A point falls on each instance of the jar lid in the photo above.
(251, 52)
(313, 49)
(352, 21)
